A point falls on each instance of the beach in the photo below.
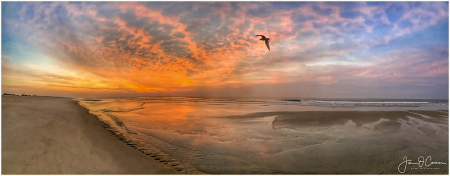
(179, 135)
(45, 135)
(230, 88)
(273, 136)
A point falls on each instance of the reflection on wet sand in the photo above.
(241, 139)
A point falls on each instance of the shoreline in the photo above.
(49, 135)
(122, 133)
(228, 138)
(45, 135)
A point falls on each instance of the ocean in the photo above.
(278, 135)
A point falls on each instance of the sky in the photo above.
(318, 49)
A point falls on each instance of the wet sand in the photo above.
(286, 142)
(44, 135)
(356, 142)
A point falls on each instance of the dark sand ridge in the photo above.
(43, 135)
(322, 118)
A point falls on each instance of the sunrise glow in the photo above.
(318, 49)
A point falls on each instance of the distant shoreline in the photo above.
(233, 97)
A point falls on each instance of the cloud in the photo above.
(298, 18)
(382, 29)
(106, 13)
(287, 5)
(181, 46)
(177, 8)
(405, 24)
(326, 11)
(394, 13)
(350, 14)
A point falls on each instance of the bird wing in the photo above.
(267, 44)
(263, 37)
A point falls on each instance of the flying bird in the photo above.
(265, 39)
